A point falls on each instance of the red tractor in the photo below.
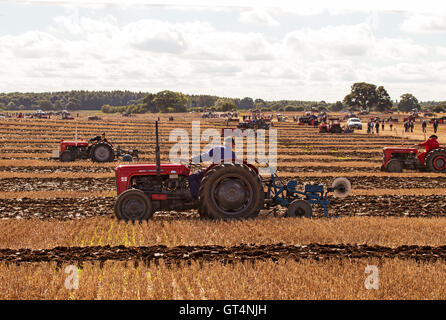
(97, 149)
(226, 191)
(397, 159)
(333, 126)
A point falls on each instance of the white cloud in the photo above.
(424, 24)
(156, 36)
(78, 52)
(402, 49)
(331, 41)
(258, 16)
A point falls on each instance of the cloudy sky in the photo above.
(232, 49)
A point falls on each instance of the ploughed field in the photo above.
(54, 214)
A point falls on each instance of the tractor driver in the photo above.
(429, 145)
(98, 138)
(216, 154)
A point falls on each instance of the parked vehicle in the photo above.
(354, 123)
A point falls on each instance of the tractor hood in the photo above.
(400, 150)
(125, 172)
(150, 169)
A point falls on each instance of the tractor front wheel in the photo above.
(133, 205)
(299, 208)
(394, 166)
(66, 156)
(436, 161)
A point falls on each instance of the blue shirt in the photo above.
(216, 154)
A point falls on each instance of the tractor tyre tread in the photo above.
(395, 166)
(66, 156)
(117, 206)
(257, 188)
(430, 159)
(110, 158)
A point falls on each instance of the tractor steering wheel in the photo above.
(188, 163)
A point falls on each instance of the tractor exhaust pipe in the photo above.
(157, 152)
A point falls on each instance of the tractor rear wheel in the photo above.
(133, 205)
(66, 156)
(202, 211)
(299, 208)
(231, 191)
(102, 152)
(394, 166)
(436, 161)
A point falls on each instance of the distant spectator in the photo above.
(435, 125)
(406, 126)
(382, 125)
(377, 127)
(423, 126)
(391, 125)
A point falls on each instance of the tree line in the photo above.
(363, 96)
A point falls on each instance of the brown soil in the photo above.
(364, 205)
(100, 184)
(240, 253)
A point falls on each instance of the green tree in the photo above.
(148, 103)
(290, 108)
(246, 103)
(106, 108)
(438, 109)
(408, 102)
(363, 95)
(11, 105)
(45, 104)
(227, 106)
(383, 99)
(73, 104)
(259, 103)
(221, 101)
(338, 106)
(57, 105)
(165, 99)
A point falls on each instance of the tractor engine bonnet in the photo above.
(150, 169)
(125, 172)
(400, 150)
(388, 151)
(64, 144)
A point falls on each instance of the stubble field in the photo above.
(56, 214)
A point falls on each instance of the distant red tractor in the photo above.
(397, 159)
(333, 126)
(97, 149)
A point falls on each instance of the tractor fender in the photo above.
(249, 165)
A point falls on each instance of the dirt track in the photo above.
(240, 253)
(92, 169)
(77, 208)
(100, 184)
